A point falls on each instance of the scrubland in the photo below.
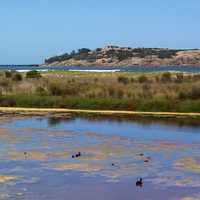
(153, 92)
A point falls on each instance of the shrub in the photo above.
(133, 80)
(7, 102)
(55, 90)
(194, 93)
(142, 79)
(96, 80)
(111, 91)
(166, 77)
(33, 74)
(182, 95)
(70, 89)
(196, 77)
(124, 80)
(40, 90)
(8, 74)
(17, 77)
(4, 83)
(120, 93)
(179, 77)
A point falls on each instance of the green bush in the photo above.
(33, 74)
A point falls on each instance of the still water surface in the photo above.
(36, 159)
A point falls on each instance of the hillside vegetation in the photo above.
(117, 56)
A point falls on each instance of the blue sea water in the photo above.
(192, 69)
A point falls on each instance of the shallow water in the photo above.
(36, 159)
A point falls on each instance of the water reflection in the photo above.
(54, 121)
(145, 121)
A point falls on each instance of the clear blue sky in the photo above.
(31, 30)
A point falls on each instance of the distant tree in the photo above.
(73, 53)
(98, 49)
(84, 51)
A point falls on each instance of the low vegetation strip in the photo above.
(155, 92)
(103, 112)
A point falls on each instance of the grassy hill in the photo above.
(118, 56)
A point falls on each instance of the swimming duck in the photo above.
(78, 154)
(147, 159)
(25, 155)
(139, 182)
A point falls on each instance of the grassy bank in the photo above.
(151, 105)
(155, 92)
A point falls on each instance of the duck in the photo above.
(148, 159)
(78, 154)
(139, 183)
(25, 155)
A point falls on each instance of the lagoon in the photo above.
(36, 158)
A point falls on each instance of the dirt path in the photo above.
(104, 112)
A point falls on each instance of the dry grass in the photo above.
(116, 91)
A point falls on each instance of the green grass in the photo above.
(153, 105)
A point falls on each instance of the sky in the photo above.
(32, 30)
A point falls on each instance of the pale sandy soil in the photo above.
(41, 111)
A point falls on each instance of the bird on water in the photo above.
(139, 183)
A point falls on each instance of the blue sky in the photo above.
(31, 30)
